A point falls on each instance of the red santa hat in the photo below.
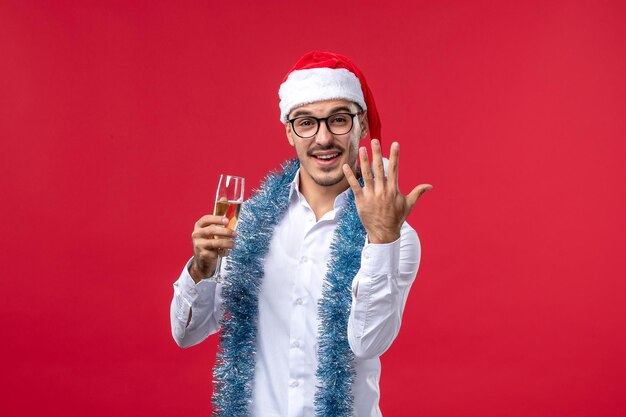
(321, 76)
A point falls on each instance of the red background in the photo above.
(117, 117)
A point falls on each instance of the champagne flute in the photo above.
(228, 199)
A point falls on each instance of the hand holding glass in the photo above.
(228, 199)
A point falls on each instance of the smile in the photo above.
(327, 156)
(326, 159)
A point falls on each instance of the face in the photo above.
(322, 156)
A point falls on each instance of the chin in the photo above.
(328, 181)
(325, 176)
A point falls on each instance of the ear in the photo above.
(288, 132)
(364, 126)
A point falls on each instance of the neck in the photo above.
(321, 198)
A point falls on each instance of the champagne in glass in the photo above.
(228, 199)
(230, 210)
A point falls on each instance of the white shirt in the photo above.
(295, 266)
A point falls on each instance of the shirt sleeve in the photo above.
(379, 293)
(203, 300)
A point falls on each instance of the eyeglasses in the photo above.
(338, 124)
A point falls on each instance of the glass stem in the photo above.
(216, 274)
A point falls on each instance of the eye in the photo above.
(339, 119)
(305, 122)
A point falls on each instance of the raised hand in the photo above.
(210, 238)
(381, 206)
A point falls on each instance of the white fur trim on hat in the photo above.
(318, 84)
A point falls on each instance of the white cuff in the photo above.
(381, 258)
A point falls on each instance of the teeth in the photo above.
(326, 156)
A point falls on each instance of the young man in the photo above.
(320, 266)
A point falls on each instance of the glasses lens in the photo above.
(340, 123)
(305, 126)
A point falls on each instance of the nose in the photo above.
(323, 135)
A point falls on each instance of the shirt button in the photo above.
(303, 260)
(295, 344)
(294, 384)
(299, 301)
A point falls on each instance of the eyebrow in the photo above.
(334, 110)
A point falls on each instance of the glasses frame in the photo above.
(319, 121)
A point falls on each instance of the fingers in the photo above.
(417, 193)
(366, 170)
(210, 219)
(354, 183)
(394, 156)
(213, 230)
(214, 245)
(213, 237)
(377, 159)
(210, 239)
(209, 246)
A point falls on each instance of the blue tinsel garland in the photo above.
(234, 370)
